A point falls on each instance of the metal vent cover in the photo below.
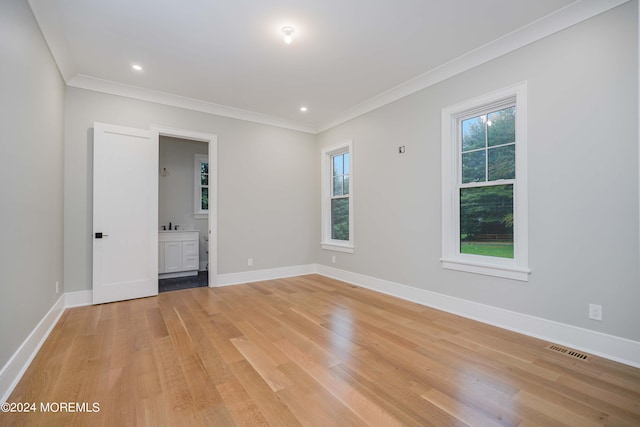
(568, 352)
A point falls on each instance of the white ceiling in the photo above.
(228, 56)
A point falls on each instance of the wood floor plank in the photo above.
(311, 403)
(177, 397)
(388, 398)
(368, 411)
(458, 410)
(261, 363)
(604, 396)
(241, 407)
(310, 351)
(556, 410)
(271, 407)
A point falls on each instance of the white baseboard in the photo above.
(78, 299)
(269, 274)
(21, 359)
(608, 346)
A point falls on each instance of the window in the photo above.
(484, 209)
(337, 198)
(201, 186)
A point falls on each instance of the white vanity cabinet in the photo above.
(178, 253)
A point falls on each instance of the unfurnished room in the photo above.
(319, 213)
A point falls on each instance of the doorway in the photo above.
(183, 196)
(126, 250)
(190, 207)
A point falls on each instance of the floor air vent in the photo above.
(568, 352)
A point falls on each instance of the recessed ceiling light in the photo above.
(136, 67)
(288, 38)
(303, 109)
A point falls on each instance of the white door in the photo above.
(125, 213)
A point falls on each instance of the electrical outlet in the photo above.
(250, 262)
(57, 287)
(595, 312)
(333, 259)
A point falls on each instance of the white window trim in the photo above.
(198, 212)
(518, 267)
(326, 241)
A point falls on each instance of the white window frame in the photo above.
(518, 267)
(198, 212)
(327, 178)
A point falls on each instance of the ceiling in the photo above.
(228, 57)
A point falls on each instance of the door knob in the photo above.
(101, 235)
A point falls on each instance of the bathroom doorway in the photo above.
(187, 190)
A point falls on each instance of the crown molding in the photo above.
(114, 88)
(46, 16)
(566, 17)
(561, 19)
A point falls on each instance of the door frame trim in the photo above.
(212, 140)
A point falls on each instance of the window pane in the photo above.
(474, 133)
(346, 163)
(337, 165)
(340, 219)
(204, 167)
(346, 185)
(501, 127)
(337, 185)
(502, 162)
(204, 199)
(473, 166)
(204, 179)
(486, 221)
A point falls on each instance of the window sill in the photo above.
(337, 247)
(504, 271)
(201, 216)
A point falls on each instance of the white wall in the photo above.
(583, 180)
(175, 190)
(31, 186)
(268, 203)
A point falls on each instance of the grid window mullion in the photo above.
(486, 147)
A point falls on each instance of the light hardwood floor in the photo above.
(310, 351)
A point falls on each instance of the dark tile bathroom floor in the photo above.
(179, 283)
